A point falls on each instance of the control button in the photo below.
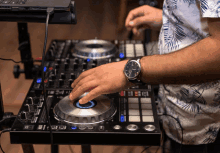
(101, 128)
(70, 82)
(28, 127)
(122, 93)
(146, 106)
(34, 120)
(148, 118)
(51, 83)
(145, 100)
(62, 127)
(133, 106)
(66, 65)
(36, 101)
(6, 2)
(147, 112)
(39, 80)
(82, 127)
(73, 127)
(56, 66)
(61, 82)
(72, 76)
(134, 119)
(84, 65)
(30, 100)
(132, 127)
(122, 118)
(149, 127)
(52, 76)
(23, 115)
(75, 66)
(14, 1)
(134, 112)
(90, 127)
(117, 127)
(133, 100)
(62, 75)
(145, 93)
(53, 127)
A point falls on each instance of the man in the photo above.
(187, 69)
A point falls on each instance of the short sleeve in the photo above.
(210, 8)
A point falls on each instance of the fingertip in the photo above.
(71, 96)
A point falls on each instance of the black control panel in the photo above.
(133, 120)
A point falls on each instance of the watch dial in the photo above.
(132, 69)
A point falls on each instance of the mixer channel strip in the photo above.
(43, 116)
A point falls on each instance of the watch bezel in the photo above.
(136, 61)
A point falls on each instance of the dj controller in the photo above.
(128, 117)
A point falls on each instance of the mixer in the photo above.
(128, 117)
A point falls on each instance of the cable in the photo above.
(13, 116)
(3, 131)
(49, 12)
(145, 149)
(9, 60)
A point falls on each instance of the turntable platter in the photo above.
(95, 111)
(94, 49)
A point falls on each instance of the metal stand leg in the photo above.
(28, 148)
(86, 148)
(55, 148)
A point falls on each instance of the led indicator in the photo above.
(73, 127)
(45, 69)
(88, 60)
(121, 55)
(39, 80)
(122, 118)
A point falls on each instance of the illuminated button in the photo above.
(117, 127)
(149, 127)
(134, 118)
(133, 100)
(145, 100)
(146, 106)
(73, 127)
(133, 106)
(136, 93)
(139, 49)
(122, 118)
(88, 60)
(45, 69)
(148, 118)
(147, 112)
(90, 104)
(39, 80)
(133, 112)
(122, 93)
(132, 127)
(50, 68)
(121, 55)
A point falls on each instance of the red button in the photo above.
(122, 93)
(136, 93)
(50, 68)
(45, 81)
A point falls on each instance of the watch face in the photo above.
(132, 69)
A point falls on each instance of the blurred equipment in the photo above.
(36, 5)
(112, 119)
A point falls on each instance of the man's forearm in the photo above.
(194, 64)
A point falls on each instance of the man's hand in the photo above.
(144, 17)
(104, 79)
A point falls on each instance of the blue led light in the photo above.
(39, 80)
(45, 69)
(121, 55)
(73, 127)
(91, 105)
(122, 118)
(88, 60)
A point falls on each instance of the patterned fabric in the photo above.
(197, 106)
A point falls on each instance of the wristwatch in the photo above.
(132, 70)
